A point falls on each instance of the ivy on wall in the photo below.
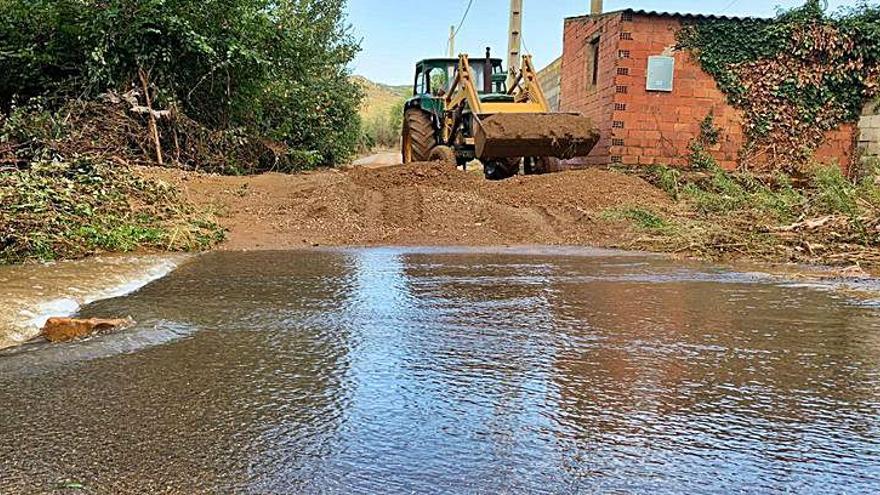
(794, 77)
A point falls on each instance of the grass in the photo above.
(643, 219)
(830, 218)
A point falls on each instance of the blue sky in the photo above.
(397, 33)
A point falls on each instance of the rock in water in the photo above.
(67, 329)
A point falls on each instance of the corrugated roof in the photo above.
(682, 15)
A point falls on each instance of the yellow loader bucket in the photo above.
(512, 135)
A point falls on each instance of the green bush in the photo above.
(383, 130)
(277, 68)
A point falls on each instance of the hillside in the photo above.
(379, 98)
(381, 112)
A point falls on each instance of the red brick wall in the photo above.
(657, 126)
(577, 95)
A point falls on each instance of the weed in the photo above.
(642, 218)
(668, 179)
(831, 219)
(700, 158)
(57, 210)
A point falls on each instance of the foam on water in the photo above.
(34, 293)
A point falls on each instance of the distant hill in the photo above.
(382, 112)
(380, 98)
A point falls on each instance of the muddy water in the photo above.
(29, 294)
(402, 371)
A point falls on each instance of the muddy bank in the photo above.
(421, 204)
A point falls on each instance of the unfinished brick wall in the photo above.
(578, 93)
(641, 127)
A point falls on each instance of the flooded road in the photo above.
(444, 371)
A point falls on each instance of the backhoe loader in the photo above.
(463, 110)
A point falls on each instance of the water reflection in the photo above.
(400, 371)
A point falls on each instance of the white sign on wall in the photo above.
(661, 73)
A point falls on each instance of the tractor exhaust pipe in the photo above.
(487, 72)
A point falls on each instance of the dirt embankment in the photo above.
(418, 204)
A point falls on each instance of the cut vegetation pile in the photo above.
(54, 210)
(827, 219)
(68, 189)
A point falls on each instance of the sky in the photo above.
(396, 34)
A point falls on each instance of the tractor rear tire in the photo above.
(443, 154)
(418, 136)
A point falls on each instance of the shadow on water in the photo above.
(417, 370)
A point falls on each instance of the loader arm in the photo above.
(529, 98)
(523, 127)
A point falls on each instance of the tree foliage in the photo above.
(277, 68)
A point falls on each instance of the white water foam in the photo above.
(33, 294)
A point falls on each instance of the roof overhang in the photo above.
(678, 15)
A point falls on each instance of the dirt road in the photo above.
(384, 159)
(417, 204)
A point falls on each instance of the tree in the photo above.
(277, 68)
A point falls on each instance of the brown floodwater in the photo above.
(453, 371)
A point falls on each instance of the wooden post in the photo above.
(596, 7)
(154, 128)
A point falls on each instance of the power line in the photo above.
(460, 24)
(729, 5)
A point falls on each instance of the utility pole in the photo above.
(452, 41)
(514, 43)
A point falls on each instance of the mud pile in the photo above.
(418, 204)
(514, 135)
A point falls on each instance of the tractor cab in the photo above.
(434, 77)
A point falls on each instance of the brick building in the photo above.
(605, 75)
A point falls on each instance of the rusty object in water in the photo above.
(66, 329)
(511, 135)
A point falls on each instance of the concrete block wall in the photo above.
(550, 78)
(869, 130)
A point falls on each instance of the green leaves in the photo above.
(273, 67)
(65, 210)
(795, 77)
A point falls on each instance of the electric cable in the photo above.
(467, 11)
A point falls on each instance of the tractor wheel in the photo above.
(548, 165)
(501, 169)
(541, 165)
(443, 154)
(418, 136)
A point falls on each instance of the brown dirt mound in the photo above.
(419, 204)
